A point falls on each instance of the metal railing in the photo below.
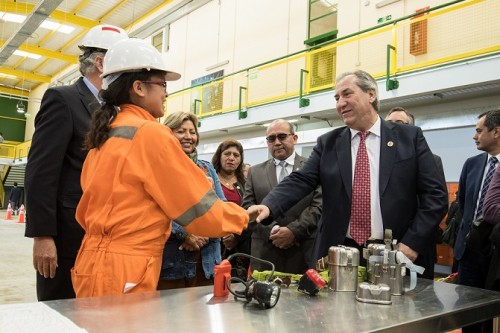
(457, 31)
(453, 32)
(12, 151)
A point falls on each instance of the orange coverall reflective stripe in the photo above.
(133, 187)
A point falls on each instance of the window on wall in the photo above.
(322, 21)
(157, 41)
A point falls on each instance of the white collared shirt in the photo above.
(289, 168)
(92, 89)
(373, 150)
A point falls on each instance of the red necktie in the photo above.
(361, 208)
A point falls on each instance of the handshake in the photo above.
(258, 213)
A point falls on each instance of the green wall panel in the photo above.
(12, 123)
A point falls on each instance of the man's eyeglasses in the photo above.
(158, 83)
(399, 122)
(281, 137)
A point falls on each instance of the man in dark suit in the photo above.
(473, 267)
(402, 116)
(54, 166)
(405, 191)
(288, 241)
(15, 197)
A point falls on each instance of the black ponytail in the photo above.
(118, 93)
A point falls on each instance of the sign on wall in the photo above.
(211, 93)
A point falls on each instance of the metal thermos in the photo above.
(343, 263)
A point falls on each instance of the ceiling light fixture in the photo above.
(47, 24)
(27, 54)
(8, 76)
(51, 25)
(219, 64)
(15, 18)
(20, 107)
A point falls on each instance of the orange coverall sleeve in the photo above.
(181, 188)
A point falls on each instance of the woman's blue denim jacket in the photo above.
(179, 264)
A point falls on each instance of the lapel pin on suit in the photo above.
(390, 143)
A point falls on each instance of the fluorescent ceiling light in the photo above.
(47, 24)
(8, 17)
(27, 54)
(8, 76)
(51, 25)
(66, 29)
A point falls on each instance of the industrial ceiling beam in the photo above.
(14, 92)
(58, 15)
(71, 19)
(25, 75)
(46, 52)
(146, 16)
(40, 12)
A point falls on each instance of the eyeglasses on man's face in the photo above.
(158, 83)
(280, 136)
(399, 122)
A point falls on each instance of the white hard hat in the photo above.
(102, 37)
(132, 55)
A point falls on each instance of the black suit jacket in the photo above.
(54, 166)
(469, 187)
(413, 197)
(15, 194)
(302, 220)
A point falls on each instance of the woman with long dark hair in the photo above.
(228, 162)
(136, 180)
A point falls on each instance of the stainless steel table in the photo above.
(431, 307)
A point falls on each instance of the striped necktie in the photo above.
(486, 183)
(283, 172)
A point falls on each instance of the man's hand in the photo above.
(45, 256)
(282, 238)
(408, 252)
(258, 213)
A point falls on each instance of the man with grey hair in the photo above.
(375, 175)
(54, 166)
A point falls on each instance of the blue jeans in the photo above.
(179, 264)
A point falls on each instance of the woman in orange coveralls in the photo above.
(136, 180)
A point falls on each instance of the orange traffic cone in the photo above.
(9, 213)
(21, 215)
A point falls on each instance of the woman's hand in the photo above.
(229, 242)
(193, 243)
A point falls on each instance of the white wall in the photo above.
(245, 32)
